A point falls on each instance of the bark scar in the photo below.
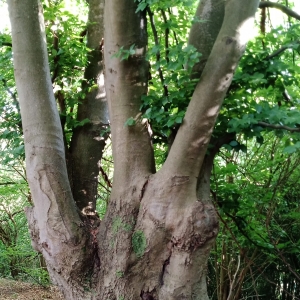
(180, 180)
(143, 189)
(146, 296)
(165, 264)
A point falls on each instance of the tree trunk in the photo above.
(56, 228)
(203, 34)
(155, 239)
(88, 141)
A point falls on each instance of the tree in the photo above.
(159, 228)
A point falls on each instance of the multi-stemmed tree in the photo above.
(155, 238)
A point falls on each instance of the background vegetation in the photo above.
(255, 182)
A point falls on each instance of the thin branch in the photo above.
(82, 35)
(12, 94)
(17, 212)
(282, 49)
(281, 7)
(232, 282)
(56, 57)
(7, 44)
(174, 32)
(155, 35)
(254, 283)
(110, 161)
(108, 191)
(167, 31)
(20, 173)
(291, 129)
(262, 273)
(7, 183)
(225, 223)
(105, 177)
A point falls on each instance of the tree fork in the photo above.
(155, 239)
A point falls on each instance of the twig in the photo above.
(106, 179)
(7, 44)
(174, 33)
(281, 7)
(161, 76)
(12, 94)
(282, 49)
(291, 129)
(167, 32)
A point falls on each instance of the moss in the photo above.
(118, 224)
(119, 274)
(139, 243)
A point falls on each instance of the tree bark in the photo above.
(88, 141)
(55, 225)
(155, 239)
(204, 31)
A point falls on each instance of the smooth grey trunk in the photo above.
(55, 225)
(204, 31)
(176, 229)
(156, 237)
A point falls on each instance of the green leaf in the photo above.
(290, 149)
(170, 122)
(178, 120)
(130, 122)
(233, 143)
(141, 6)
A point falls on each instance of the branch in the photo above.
(281, 7)
(12, 94)
(174, 32)
(56, 57)
(161, 76)
(291, 129)
(20, 173)
(133, 73)
(7, 183)
(105, 177)
(82, 34)
(232, 282)
(7, 44)
(218, 142)
(167, 31)
(282, 49)
(190, 145)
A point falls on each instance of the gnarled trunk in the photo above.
(155, 239)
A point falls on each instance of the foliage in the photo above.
(255, 191)
(17, 258)
(171, 61)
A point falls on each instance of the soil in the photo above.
(18, 290)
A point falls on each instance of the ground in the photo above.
(18, 290)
